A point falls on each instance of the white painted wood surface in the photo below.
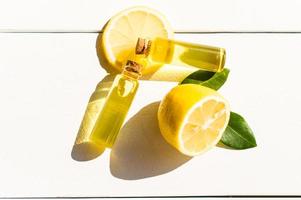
(46, 81)
(188, 15)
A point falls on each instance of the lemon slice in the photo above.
(192, 118)
(122, 31)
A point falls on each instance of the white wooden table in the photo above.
(49, 68)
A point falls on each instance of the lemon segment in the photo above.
(192, 118)
(121, 33)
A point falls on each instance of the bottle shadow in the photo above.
(84, 148)
(141, 151)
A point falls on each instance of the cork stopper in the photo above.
(133, 67)
(143, 46)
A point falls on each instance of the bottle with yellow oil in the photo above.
(174, 52)
(117, 104)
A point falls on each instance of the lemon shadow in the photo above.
(84, 148)
(140, 150)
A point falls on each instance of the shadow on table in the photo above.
(84, 149)
(140, 150)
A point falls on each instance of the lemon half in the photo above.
(121, 33)
(192, 118)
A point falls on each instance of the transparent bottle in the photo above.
(117, 104)
(168, 51)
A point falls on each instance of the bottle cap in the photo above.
(132, 66)
(143, 46)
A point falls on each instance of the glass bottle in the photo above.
(168, 51)
(117, 104)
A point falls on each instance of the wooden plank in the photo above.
(188, 15)
(47, 79)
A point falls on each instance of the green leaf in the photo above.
(209, 79)
(238, 134)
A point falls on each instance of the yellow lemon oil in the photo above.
(174, 52)
(117, 104)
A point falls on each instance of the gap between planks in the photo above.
(176, 32)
